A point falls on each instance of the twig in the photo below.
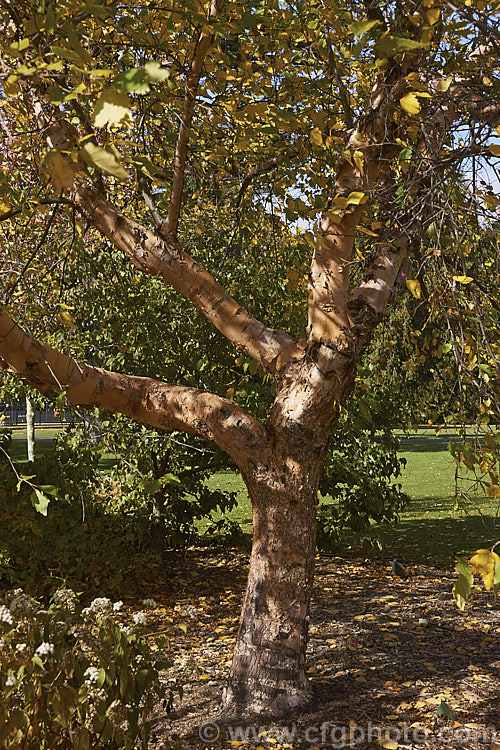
(171, 222)
(262, 169)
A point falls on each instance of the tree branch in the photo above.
(263, 169)
(159, 253)
(151, 402)
(193, 77)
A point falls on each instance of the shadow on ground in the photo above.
(384, 654)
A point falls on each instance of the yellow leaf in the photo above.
(103, 160)
(309, 238)
(112, 108)
(66, 319)
(62, 171)
(433, 15)
(389, 744)
(494, 149)
(444, 85)
(493, 490)
(367, 231)
(316, 137)
(359, 160)
(484, 562)
(356, 198)
(4, 206)
(414, 286)
(463, 279)
(410, 104)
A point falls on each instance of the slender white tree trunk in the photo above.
(30, 429)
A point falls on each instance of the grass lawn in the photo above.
(430, 529)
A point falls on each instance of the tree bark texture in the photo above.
(268, 674)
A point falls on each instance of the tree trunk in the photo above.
(30, 429)
(268, 674)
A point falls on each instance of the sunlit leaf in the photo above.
(484, 562)
(103, 160)
(415, 288)
(361, 27)
(112, 108)
(394, 44)
(316, 137)
(410, 104)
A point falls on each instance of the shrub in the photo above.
(74, 678)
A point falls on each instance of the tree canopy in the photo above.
(143, 131)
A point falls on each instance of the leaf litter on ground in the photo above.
(386, 653)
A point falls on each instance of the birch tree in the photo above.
(368, 122)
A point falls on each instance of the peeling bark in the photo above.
(149, 401)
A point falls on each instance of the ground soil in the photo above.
(393, 661)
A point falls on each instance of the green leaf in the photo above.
(101, 678)
(445, 710)
(360, 27)
(464, 569)
(462, 588)
(50, 20)
(146, 165)
(66, 54)
(496, 579)
(170, 479)
(103, 160)
(132, 81)
(20, 719)
(49, 489)
(394, 44)
(40, 501)
(37, 662)
(142, 678)
(153, 486)
(123, 682)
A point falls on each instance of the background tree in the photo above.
(371, 116)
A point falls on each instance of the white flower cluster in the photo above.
(187, 610)
(99, 606)
(91, 675)
(149, 603)
(10, 681)
(117, 606)
(20, 646)
(66, 598)
(5, 615)
(140, 618)
(21, 605)
(45, 649)
(99, 694)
